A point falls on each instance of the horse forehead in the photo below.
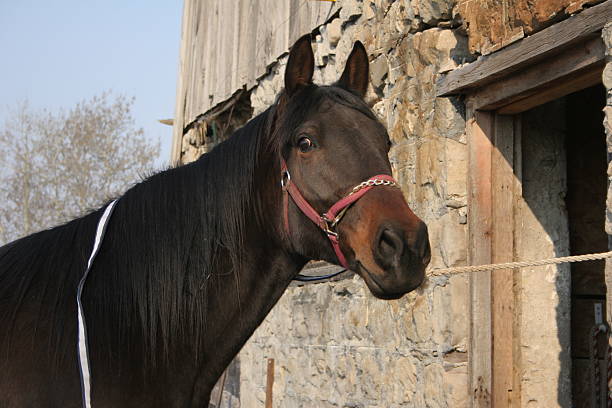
(339, 114)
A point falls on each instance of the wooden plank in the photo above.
(479, 131)
(179, 108)
(558, 89)
(502, 282)
(526, 52)
(269, 382)
(554, 72)
(227, 45)
(517, 220)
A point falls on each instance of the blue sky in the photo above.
(55, 54)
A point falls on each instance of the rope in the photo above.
(598, 329)
(522, 264)
(596, 390)
(594, 363)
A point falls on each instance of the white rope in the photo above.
(82, 351)
(522, 264)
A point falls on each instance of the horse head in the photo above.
(332, 147)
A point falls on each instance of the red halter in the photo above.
(329, 220)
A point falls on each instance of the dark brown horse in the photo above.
(195, 257)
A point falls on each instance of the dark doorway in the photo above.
(586, 209)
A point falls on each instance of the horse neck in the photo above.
(243, 304)
(205, 306)
(240, 300)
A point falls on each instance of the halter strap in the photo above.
(330, 219)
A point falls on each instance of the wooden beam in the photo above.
(532, 49)
(557, 72)
(502, 282)
(579, 80)
(479, 131)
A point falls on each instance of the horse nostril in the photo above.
(424, 250)
(390, 245)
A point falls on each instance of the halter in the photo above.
(330, 219)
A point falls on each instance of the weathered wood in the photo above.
(516, 226)
(179, 107)
(502, 282)
(558, 89)
(479, 131)
(555, 72)
(526, 52)
(227, 45)
(269, 382)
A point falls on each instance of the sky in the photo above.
(58, 53)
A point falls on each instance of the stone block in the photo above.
(459, 310)
(350, 9)
(422, 320)
(434, 11)
(456, 173)
(441, 319)
(455, 386)
(434, 384)
(607, 76)
(448, 118)
(452, 240)
(608, 127)
(378, 70)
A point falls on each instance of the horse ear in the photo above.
(356, 73)
(300, 66)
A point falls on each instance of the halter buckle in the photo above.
(329, 225)
(285, 179)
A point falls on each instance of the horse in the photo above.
(194, 257)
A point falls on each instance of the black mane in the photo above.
(163, 242)
(166, 232)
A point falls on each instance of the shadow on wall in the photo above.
(560, 160)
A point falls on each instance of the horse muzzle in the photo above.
(390, 245)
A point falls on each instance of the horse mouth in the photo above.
(376, 287)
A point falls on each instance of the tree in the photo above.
(55, 166)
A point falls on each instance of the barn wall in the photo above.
(228, 45)
(335, 345)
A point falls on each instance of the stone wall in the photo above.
(495, 24)
(334, 345)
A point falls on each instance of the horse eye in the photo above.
(305, 144)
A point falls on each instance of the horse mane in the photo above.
(178, 220)
(163, 241)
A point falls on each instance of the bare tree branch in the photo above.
(56, 166)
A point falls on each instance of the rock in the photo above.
(334, 32)
(378, 71)
(350, 9)
(434, 374)
(455, 384)
(433, 11)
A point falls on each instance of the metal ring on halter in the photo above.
(285, 179)
(328, 227)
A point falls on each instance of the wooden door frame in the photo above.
(550, 64)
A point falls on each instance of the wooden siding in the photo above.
(227, 45)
